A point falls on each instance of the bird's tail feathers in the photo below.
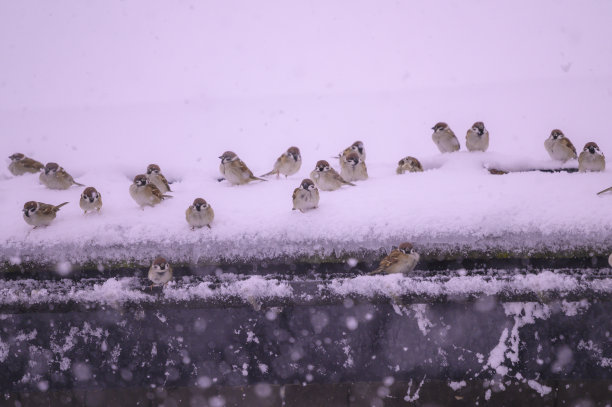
(76, 183)
(268, 173)
(60, 205)
(167, 196)
(604, 191)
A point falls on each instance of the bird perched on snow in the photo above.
(55, 177)
(145, 193)
(91, 200)
(156, 178)
(287, 164)
(400, 260)
(160, 272)
(559, 147)
(235, 170)
(477, 138)
(352, 168)
(356, 147)
(326, 178)
(306, 196)
(408, 164)
(591, 158)
(40, 214)
(444, 138)
(20, 164)
(199, 214)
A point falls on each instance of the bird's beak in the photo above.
(91, 199)
(26, 213)
(221, 157)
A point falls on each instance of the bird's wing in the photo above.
(30, 163)
(388, 261)
(569, 145)
(339, 177)
(165, 181)
(46, 209)
(156, 191)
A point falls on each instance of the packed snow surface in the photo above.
(105, 91)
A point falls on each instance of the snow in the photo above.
(543, 390)
(184, 87)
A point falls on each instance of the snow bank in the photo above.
(208, 88)
(255, 289)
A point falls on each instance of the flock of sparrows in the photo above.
(151, 188)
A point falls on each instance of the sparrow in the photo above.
(356, 147)
(287, 164)
(591, 158)
(160, 272)
(306, 196)
(199, 214)
(40, 214)
(408, 164)
(477, 138)
(145, 193)
(20, 164)
(400, 260)
(444, 138)
(156, 178)
(55, 177)
(559, 147)
(235, 170)
(326, 178)
(352, 168)
(90, 200)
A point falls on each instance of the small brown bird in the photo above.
(156, 178)
(40, 214)
(326, 178)
(199, 214)
(477, 138)
(400, 260)
(235, 170)
(352, 168)
(408, 164)
(20, 164)
(145, 193)
(356, 147)
(91, 200)
(287, 164)
(591, 158)
(306, 196)
(55, 177)
(559, 147)
(160, 272)
(445, 139)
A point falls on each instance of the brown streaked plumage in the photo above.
(400, 260)
(287, 164)
(353, 168)
(155, 176)
(408, 164)
(235, 170)
(199, 214)
(326, 178)
(160, 272)
(591, 158)
(90, 200)
(55, 177)
(445, 138)
(20, 164)
(40, 214)
(559, 147)
(306, 196)
(145, 193)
